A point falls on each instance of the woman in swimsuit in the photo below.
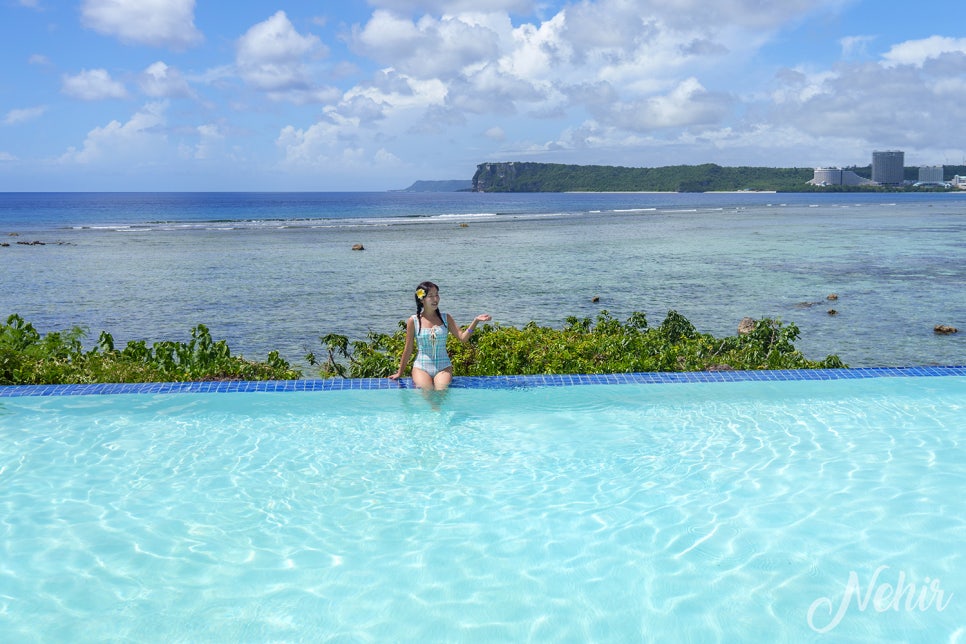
(427, 331)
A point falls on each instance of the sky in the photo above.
(352, 95)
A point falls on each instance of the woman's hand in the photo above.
(396, 376)
(464, 334)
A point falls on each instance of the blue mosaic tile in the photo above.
(479, 382)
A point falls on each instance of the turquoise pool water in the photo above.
(702, 512)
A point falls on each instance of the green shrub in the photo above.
(604, 345)
(582, 346)
(27, 357)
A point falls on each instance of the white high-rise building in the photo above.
(888, 167)
(931, 174)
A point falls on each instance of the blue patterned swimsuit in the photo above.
(431, 354)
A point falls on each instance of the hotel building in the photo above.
(888, 167)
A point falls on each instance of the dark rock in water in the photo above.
(833, 312)
(833, 296)
(746, 326)
(595, 299)
(945, 329)
(358, 247)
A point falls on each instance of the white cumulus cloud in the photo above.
(139, 139)
(634, 65)
(415, 84)
(917, 52)
(429, 48)
(93, 85)
(689, 103)
(209, 137)
(272, 55)
(161, 81)
(17, 116)
(159, 23)
(456, 6)
(855, 45)
(336, 143)
(904, 106)
(495, 133)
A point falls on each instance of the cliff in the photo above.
(554, 177)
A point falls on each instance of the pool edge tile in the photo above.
(480, 382)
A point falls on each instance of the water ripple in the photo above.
(712, 513)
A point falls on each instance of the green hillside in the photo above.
(556, 177)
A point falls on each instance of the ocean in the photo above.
(275, 271)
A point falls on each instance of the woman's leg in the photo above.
(427, 385)
(442, 379)
(422, 379)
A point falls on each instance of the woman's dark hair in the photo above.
(426, 286)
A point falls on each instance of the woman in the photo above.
(427, 331)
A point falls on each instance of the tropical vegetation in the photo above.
(29, 358)
(707, 177)
(583, 346)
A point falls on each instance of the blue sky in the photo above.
(352, 95)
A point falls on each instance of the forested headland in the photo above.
(709, 177)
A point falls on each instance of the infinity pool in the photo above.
(777, 511)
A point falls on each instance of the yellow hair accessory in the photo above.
(420, 293)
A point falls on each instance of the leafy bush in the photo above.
(376, 358)
(27, 357)
(604, 345)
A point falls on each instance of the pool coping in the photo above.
(479, 382)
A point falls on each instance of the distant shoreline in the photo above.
(527, 176)
(666, 192)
